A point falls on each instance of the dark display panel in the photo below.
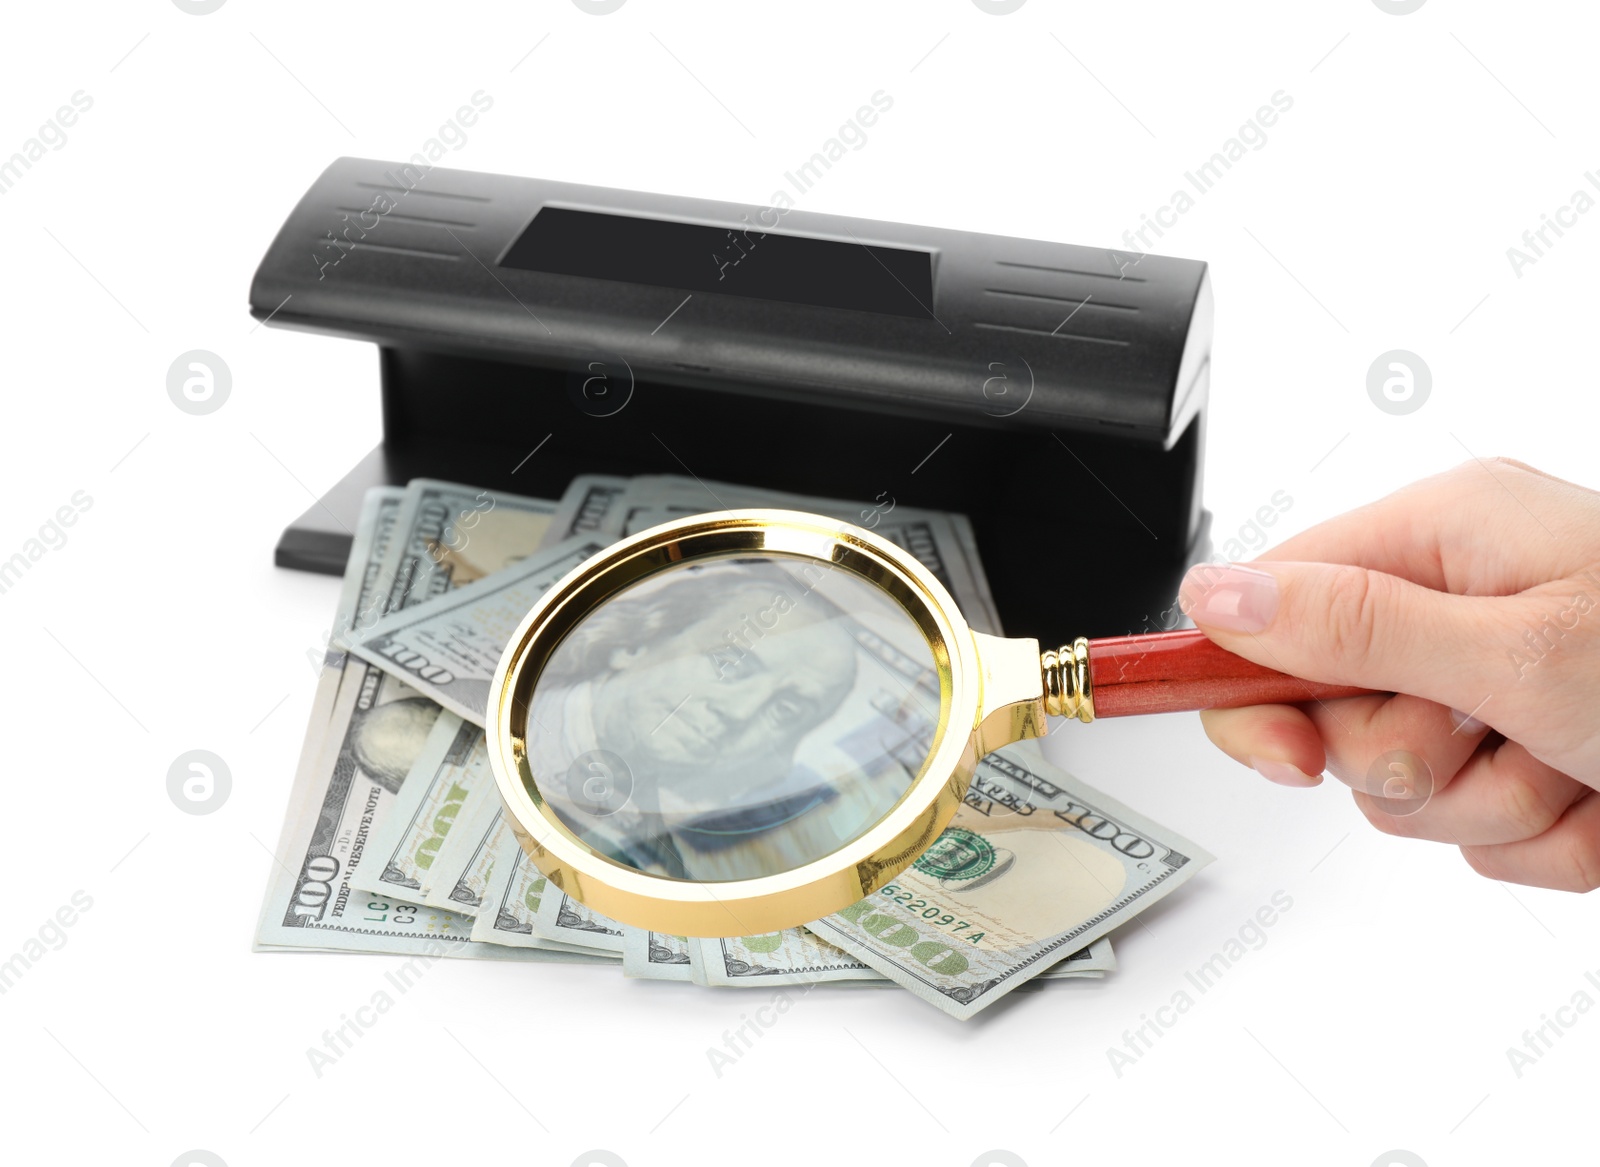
(697, 257)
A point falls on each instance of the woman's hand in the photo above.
(1473, 597)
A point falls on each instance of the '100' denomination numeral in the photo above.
(316, 888)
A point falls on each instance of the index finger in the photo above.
(1485, 528)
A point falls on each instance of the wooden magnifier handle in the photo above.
(1166, 672)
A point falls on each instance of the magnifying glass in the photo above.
(739, 722)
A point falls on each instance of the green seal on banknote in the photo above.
(957, 854)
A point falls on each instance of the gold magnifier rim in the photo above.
(771, 902)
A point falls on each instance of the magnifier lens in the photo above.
(733, 718)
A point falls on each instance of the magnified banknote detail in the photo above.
(733, 719)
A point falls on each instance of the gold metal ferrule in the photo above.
(1067, 691)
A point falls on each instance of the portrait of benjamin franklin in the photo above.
(729, 719)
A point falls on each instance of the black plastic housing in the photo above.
(1053, 393)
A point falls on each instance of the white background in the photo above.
(1377, 216)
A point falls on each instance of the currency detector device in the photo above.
(530, 330)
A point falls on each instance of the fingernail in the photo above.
(1283, 773)
(1466, 723)
(1228, 596)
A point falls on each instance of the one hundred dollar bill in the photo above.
(798, 956)
(468, 629)
(516, 890)
(563, 919)
(448, 649)
(445, 536)
(497, 604)
(449, 779)
(791, 957)
(374, 527)
(368, 745)
(1093, 962)
(466, 861)
(655, 956)
(942, 541)
(457, 830)
(1034, 872)
(1035, 864)
(591, 505)
(450, 535)
(360, 604)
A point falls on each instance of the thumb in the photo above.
(1350, 626)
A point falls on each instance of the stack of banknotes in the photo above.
(394, 840)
